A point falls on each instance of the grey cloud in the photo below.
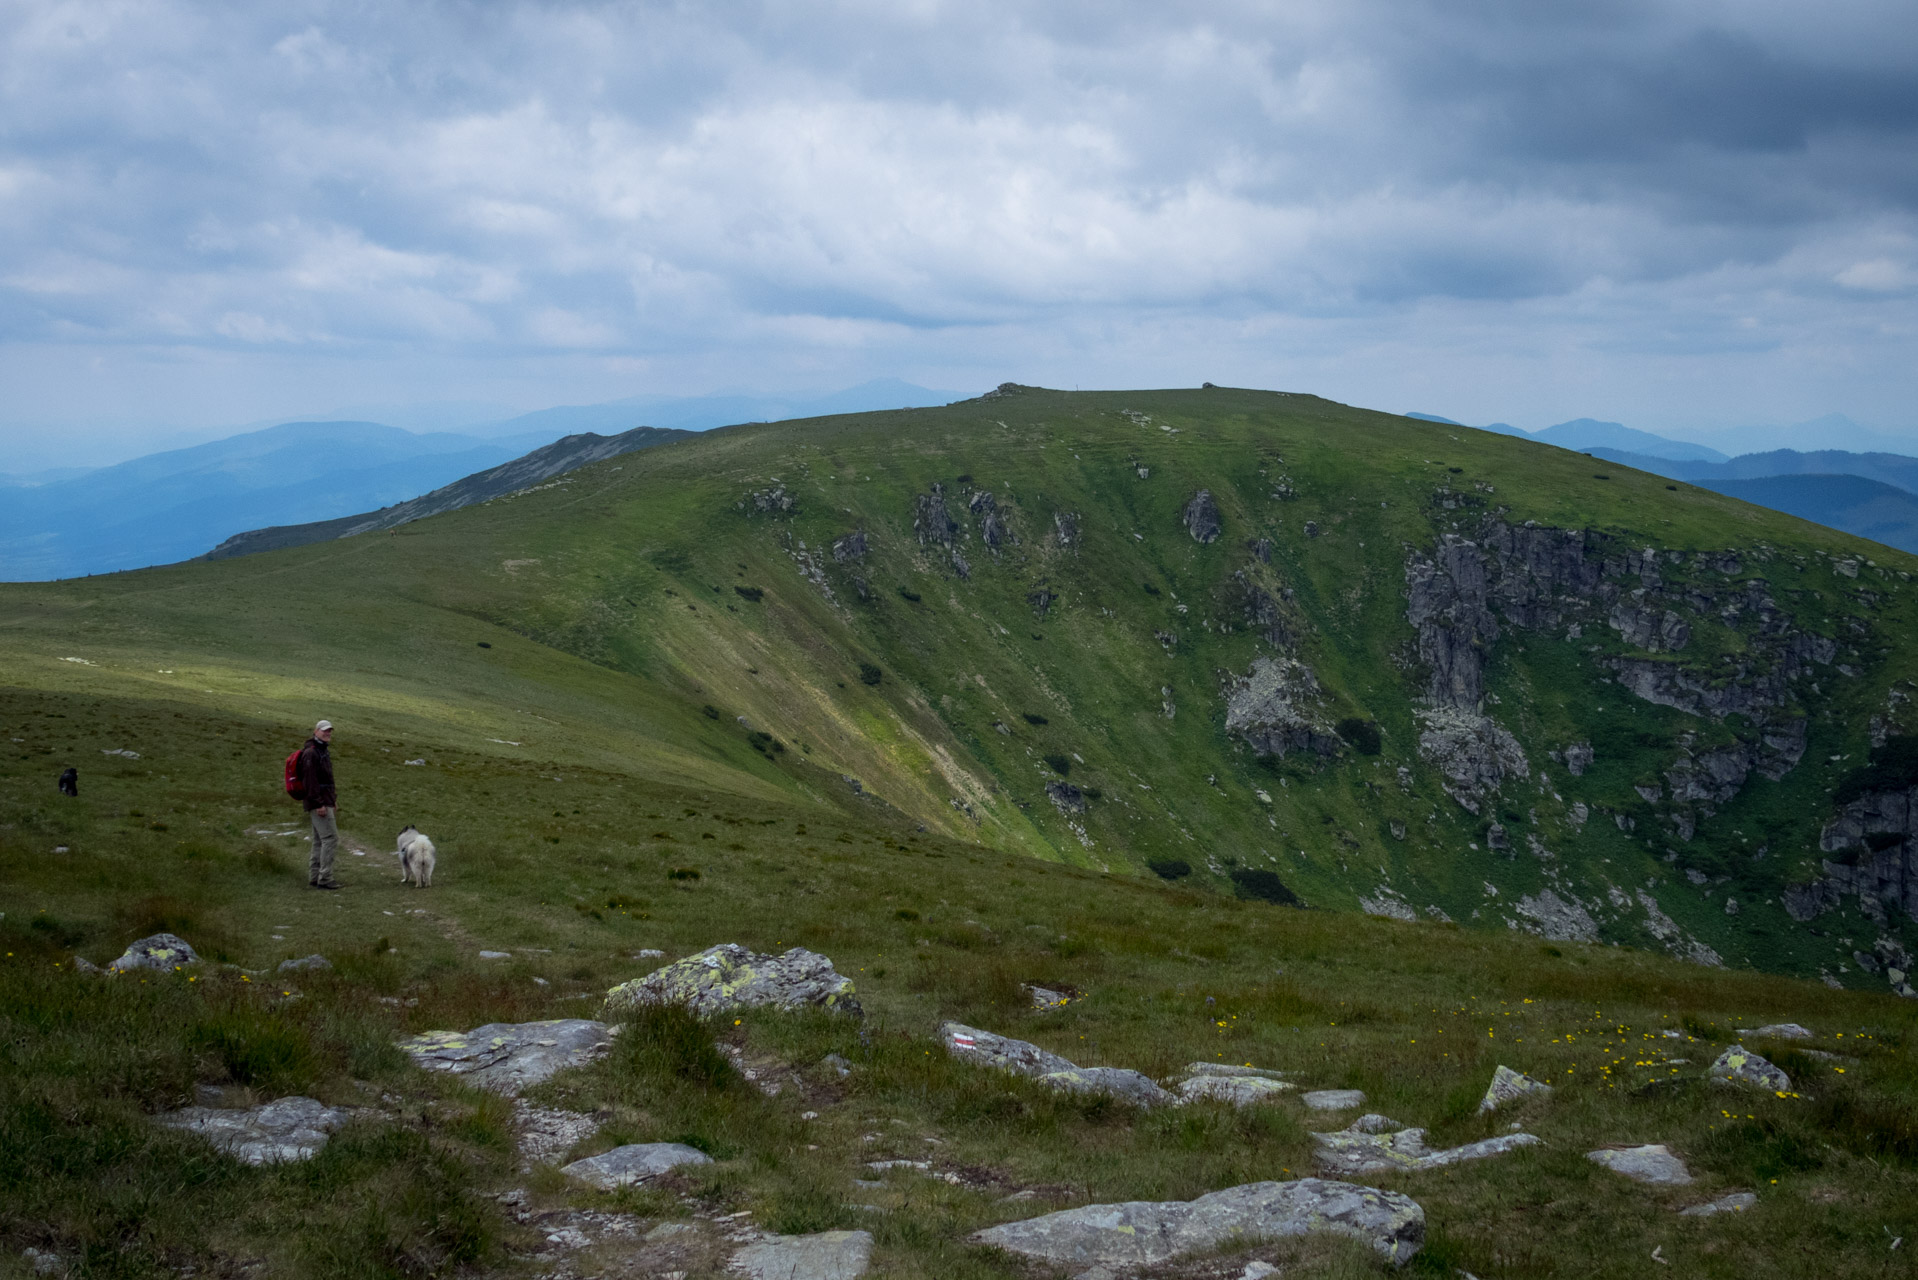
(864, 181)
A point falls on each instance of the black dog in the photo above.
(70, 782)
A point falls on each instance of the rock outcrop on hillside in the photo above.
(1561, 581)
(1274, 708)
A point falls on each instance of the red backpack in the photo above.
(295, 787)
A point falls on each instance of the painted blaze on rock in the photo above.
(729, 976)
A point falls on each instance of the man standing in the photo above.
(322, 804)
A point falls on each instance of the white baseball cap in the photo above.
(323, 726)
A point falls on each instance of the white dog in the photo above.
(416, 858)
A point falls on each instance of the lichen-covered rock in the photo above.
(1740, 1065)
(826, 1255)
(1361, 1148)
(1142, 1233)
(507, 1057)
(1003, 1052)
(1510, 1086)
(1201, 517)
(1274, 708)
(1115, 1082)
(635, 1163)
(161, 952)
(729, 976)
(278, 1132)
(1239, 1091)
(1653, 1164)
(1235, 1069)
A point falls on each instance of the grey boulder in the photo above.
(1736, 1202)
(1002, 1052)
(1509, 1086)
(1785, 1031)
(1739, 1065)
(509, 1056)
(1050, 1069)
(828, 1255)
(162, 952)
(1366, 1146)
(1144, 1233)
(727, 977)
(1653, 1164)
(303, 964)
(278, 1132)
(624, 1166)
(1116, 1082)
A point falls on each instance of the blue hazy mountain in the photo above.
(180, 503)
(1854, 504)
(169, 506)
(1587, 434)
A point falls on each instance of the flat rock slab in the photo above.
(509, 1056)
(1740, 1065)
(1240, 1091)
(624, 1166)
(1363, 1149)
(829, 1255)
(1050, 1069)
(1653, 1164)
(1143, 1233)
(729, 977)
(1228, 1069)
(1002, 1052)
(278, 1132)
(1510, 1086)
(1736, 1202)
(305, 964)
(162, 952)
(1115, 1082)
(1333, 1099)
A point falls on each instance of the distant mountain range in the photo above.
(1874, 495)
(1586, 434)
(542, 464)
(277, 484)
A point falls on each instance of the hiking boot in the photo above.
(327, 884)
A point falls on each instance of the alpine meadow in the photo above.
(1179, 733)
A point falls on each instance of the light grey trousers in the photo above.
(326, 837)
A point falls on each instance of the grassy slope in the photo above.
(627, 570)
(563, 842)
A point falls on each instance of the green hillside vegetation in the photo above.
(658, 666)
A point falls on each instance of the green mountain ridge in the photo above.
(1406, 668)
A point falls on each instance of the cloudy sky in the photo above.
(1682, 215)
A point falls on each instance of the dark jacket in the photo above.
(316, 775)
